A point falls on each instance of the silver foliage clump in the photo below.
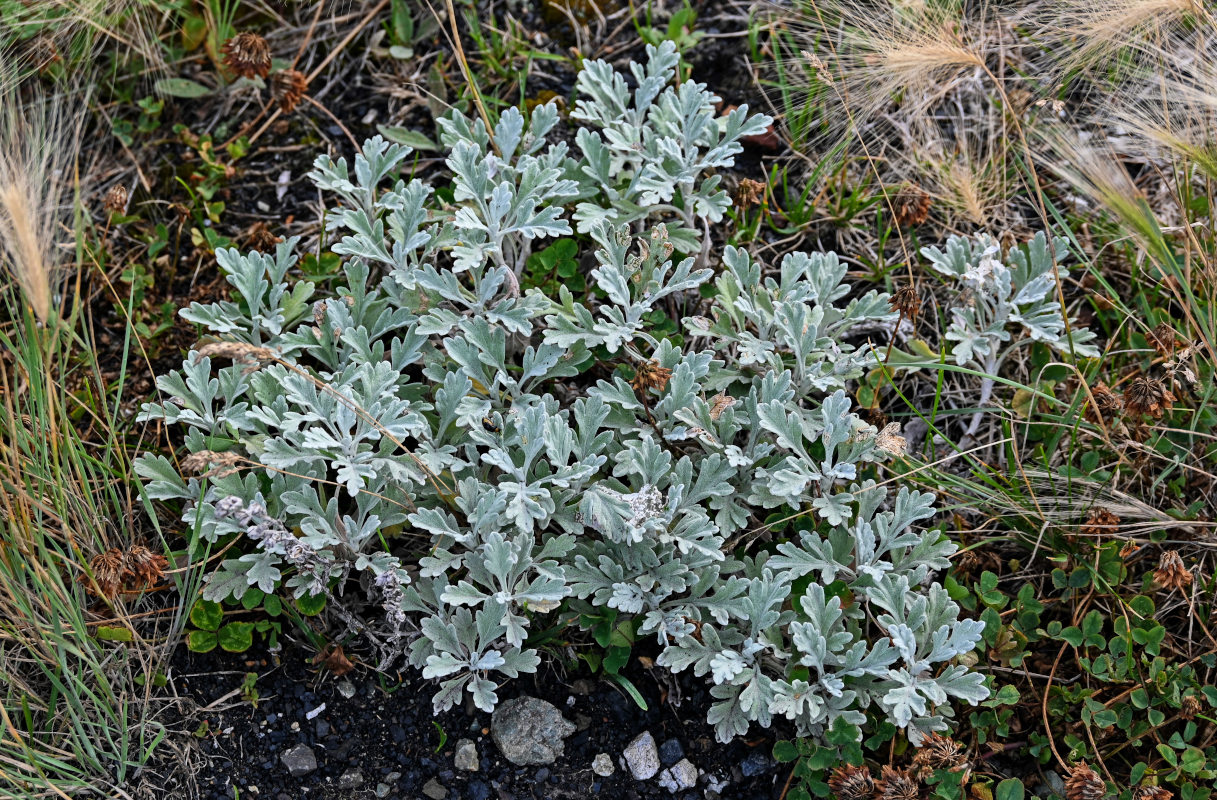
(1018, 290)
(418, 431)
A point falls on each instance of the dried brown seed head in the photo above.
(249, 354)
(259, 237)
(906, 301)
(911, 206)
(116, 570)
(897, 784)
(1190, 706)
(1148, 396)
(851, 783)
(1107, 405)
(1152, 793)
(288, 88)
(210, 464)
(1084, 783)
(749, 193)
(1163, 338)
(143, 567)
(651, 375)
(720, 403)
(889, 439)
(108, 571)
(1099, 522)
(248, 55)
(939, 752)
(1171, 573)
(115, 200)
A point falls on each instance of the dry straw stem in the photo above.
(39, 143)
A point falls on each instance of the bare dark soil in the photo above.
(385, 734)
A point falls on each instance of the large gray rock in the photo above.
(642, 756)
(529, 731)
(299, 760)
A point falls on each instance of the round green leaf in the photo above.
(201, 641)
(236, 637)
(206, 615)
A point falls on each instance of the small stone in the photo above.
(435, 790)
(477, 790)
(383, 789)
(299, 760)
(584, 686)
(755, 764)
(466, 756)
(602, 765)
(351, 779)
(671, 751)
(642, 756)
(346, 689)
(323, 729)
(680, 776)
(529, 731)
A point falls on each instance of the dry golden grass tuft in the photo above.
(78, 32)
(1085, 35)
(37, 149)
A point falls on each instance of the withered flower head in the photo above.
(1099, 522)
(1152, 793)
(116, 199)
(651, 376)
(1147, 395)
(288, 88)
(896, 784)
(911, 206)
(1190, 706)
(249, 354)
(259, 237)
(939, 752)
(116, 570)
(248, 55)
(202, 461)
(906, 301)
(144, 568)
(889, 439)
(1163, 338)
(1171, 573)
(720, 403)
(107, 569)
(749, 193)
(1107, 404)
(1084, 783)
(851, 783)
